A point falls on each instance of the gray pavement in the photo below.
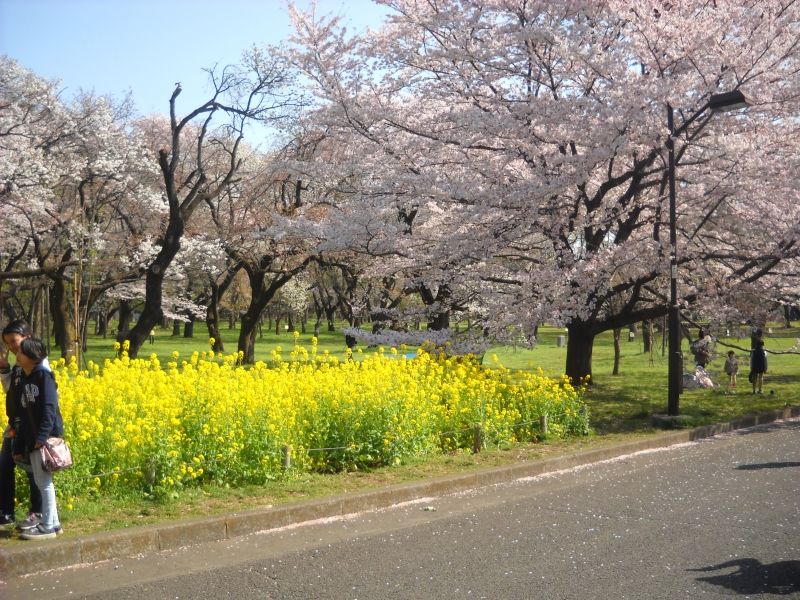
(618, 528)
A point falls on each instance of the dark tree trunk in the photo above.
(212, 310)
(125, 315)
(617, 351)
(580, 342)
(647, 335)
(188, 328)
(213, 332)
(440, 322)
(319, 313)
(330, 315)
(102, 324)
(176, 328)
(212, 319)
(260, 296)
(63, 326)
(153, 312)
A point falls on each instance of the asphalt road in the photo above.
(715, 518)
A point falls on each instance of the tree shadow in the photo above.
(772, 465)
(753, 577)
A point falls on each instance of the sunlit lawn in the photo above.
(627, 401)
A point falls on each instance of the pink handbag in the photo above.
(55, 455)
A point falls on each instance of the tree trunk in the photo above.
(440, 322)
(125, 315)
(617, 351)
(213, 332)
(647, 336)
(212, 310)
(102, 324)
(580, 342)
(153, 312)
(330, 314)
(188, 328)
(176, 328)
(212, 319)
(63, 327)
(260, 296)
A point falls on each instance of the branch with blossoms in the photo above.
(50, 271)
(443, 340)
(793, 350)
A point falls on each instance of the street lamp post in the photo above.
(675, 359)
(718, 102)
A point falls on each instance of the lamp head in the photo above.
(728, 101)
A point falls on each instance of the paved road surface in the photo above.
(711, 519)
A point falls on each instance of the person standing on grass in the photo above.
(731, 368)
(758, 365)
(702, 349)
(12, 335)
(39, 419)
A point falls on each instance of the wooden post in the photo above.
(477, 438)
(287, 457)
(543, 425)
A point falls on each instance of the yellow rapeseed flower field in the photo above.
(138, 427)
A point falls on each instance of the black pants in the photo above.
(7, 483)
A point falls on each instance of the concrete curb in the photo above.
(43, 556)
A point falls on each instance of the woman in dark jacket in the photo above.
(39, 418)
(13, 334)
(758, 365)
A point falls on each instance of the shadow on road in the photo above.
(753, 577)
(772, 465)
(757, 428)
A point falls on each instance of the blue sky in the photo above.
(112, 46)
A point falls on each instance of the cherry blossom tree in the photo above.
(260, 89)
(75, 179)
(529, 138)
(267, 234)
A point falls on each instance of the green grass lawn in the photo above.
(621, 408)
(626, 402)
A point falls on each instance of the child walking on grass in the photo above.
(731, 368)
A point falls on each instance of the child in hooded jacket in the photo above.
(39, 417)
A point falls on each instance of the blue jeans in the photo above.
(44, 481)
